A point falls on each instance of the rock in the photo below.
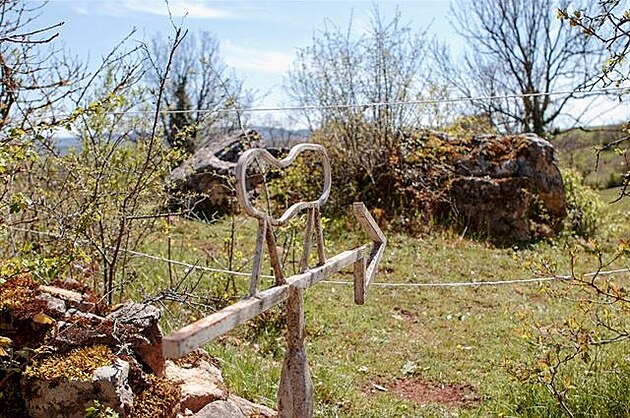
(518, 156)
(220, 409)
(199, 385)
(112, 383)
(70, 398)
(251, 409)
(53, 304)
(203, 183)
(142, 334)
(506, 188)
(73, 299)
(493, 207)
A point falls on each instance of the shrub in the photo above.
(583, 205)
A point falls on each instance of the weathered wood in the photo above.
(273, 255)
(295, 392)
(192, 336)
(308, 239)
(362, 280)
(258, 254)
(367, 221)
(319, 233)
(186, 339)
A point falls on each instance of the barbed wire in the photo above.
(346, 282)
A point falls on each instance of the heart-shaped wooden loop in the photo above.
(266, 221)
(241, 185)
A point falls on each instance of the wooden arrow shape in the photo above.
(365, 269)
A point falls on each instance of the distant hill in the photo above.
(282, 136)
(577, 148)
(272, 135)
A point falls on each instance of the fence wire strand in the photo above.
(348, 283)
(577, 94)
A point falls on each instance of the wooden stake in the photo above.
(295, 393)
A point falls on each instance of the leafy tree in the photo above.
(576, 357)
(95, 203)
(34, 75)
(35, 80)
(518, 48)
(201, 92)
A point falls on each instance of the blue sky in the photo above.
(258, 39)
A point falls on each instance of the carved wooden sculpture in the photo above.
(295, 393)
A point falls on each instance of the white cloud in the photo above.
(255, 59)
(178, 8)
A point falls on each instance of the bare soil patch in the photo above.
(459, 395)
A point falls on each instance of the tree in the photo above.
(201, 94)
(354, 91)
(518, 48)
(35, 80)
(34, 76)
(604, 23)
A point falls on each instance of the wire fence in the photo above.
(576, 94)
(195, 267)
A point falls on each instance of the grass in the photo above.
(456, 338)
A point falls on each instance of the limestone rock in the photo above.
(70, 398)
(146, 336)
(251, 409)
(112, 382)
(203, 183)
(505, 188)
(220, 409)
(199, 385)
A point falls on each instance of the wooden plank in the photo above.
(193, 336)
(295, 392)
(308, 239)
(190, 337)
(368, 223)
(319, 233)
(333, 265)
(273, 256)
(360, 282)
(375, 257)
(258, 256)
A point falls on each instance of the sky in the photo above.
(258, 39)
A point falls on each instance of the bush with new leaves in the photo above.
(583, 205)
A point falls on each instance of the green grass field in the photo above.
(409, 351)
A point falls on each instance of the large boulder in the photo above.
(204, 183)
(508, 187)
(505, 188)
